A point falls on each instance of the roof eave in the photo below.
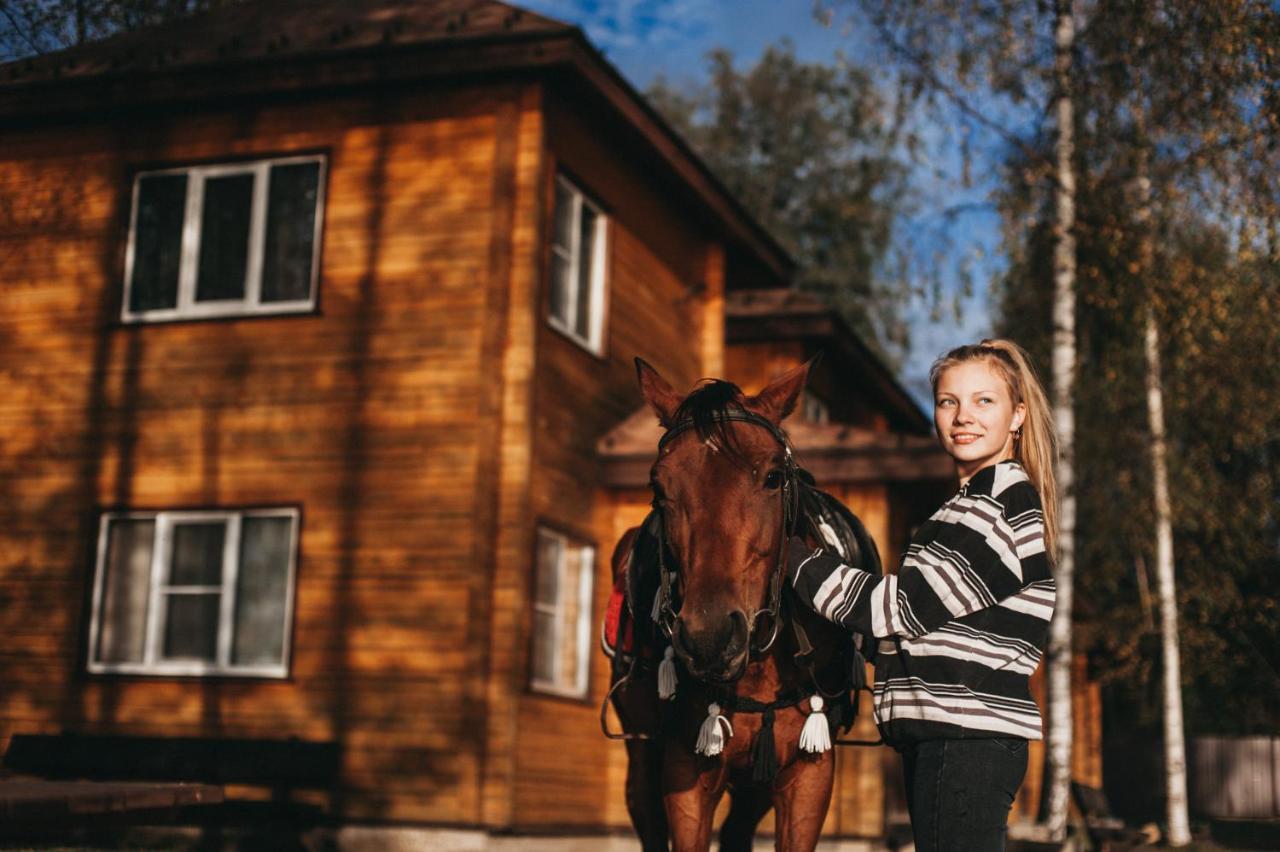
(481, 55)
(828, 324)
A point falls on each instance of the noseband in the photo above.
(665, 611)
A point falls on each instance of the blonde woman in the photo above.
(964, 622)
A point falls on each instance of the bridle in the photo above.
(665, 608)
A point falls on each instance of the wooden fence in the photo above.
(1234, 777)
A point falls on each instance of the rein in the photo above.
(665, 611)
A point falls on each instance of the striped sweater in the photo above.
(963, 624)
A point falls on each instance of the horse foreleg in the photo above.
(802, 797)
(644, 794)
(692, 789)
(748, 805)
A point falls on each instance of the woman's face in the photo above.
(975, 416)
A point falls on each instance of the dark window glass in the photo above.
(197, 554)
(586, 264)
(224, 238)
(126, 586)
(191, 627)
(561, 287)
(290, 242)
(261, 589)
(157, 246)
(564, 217)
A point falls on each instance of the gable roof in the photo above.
(783, 314)
(287, 47)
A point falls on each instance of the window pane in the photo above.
(561, 288)
(197, 554)
(586, 269)
(157, 245)
(126, 586)
(548, 569)
(544, 647)
(191, 627)
(291, 220)
(224, 237)
(563, 235)
(570, 611)
(261, 589)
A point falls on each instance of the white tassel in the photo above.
(815, 736)
(710, 740)
(656, 610)
(667, 675)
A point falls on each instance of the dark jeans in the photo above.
(959, 791)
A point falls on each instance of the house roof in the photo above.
(277, 29)
(783, 314)
(832, 452)
(283, 47)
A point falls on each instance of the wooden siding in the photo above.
(656, 259)
(364, 413)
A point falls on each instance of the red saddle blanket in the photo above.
(613, 619)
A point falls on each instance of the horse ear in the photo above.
(779, 399)
(658, 393)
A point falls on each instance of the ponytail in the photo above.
(1035, 445)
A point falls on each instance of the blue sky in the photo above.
(647, 38)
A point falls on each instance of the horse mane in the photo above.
(708, 406)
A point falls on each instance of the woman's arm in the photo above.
(984, 550)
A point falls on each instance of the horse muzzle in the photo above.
(715, 650)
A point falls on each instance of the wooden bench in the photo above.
(181, 762)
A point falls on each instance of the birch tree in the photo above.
(1175, 759)
(1058, 772)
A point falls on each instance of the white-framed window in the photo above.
(813, 409)
(578, 260)
(224, 240)
(561, 614)
(194, 592)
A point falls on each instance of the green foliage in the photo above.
(806, 148)
(1216, 307)
(1188, 96)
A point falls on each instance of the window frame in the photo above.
(594, 341)
(158, 594)
(814, 409)
(192, 232)
(586, 587)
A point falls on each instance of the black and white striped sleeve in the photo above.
(979, 551)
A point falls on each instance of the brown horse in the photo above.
(726, 491)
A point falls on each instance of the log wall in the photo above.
(364, 413)
(657, 258)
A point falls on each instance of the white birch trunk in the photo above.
(1058, 753)
(1175, 759)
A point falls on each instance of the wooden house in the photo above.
(315, 318)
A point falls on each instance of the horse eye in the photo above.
(773, 481)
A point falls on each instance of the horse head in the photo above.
(722, 483)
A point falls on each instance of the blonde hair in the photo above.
(1035, 445)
